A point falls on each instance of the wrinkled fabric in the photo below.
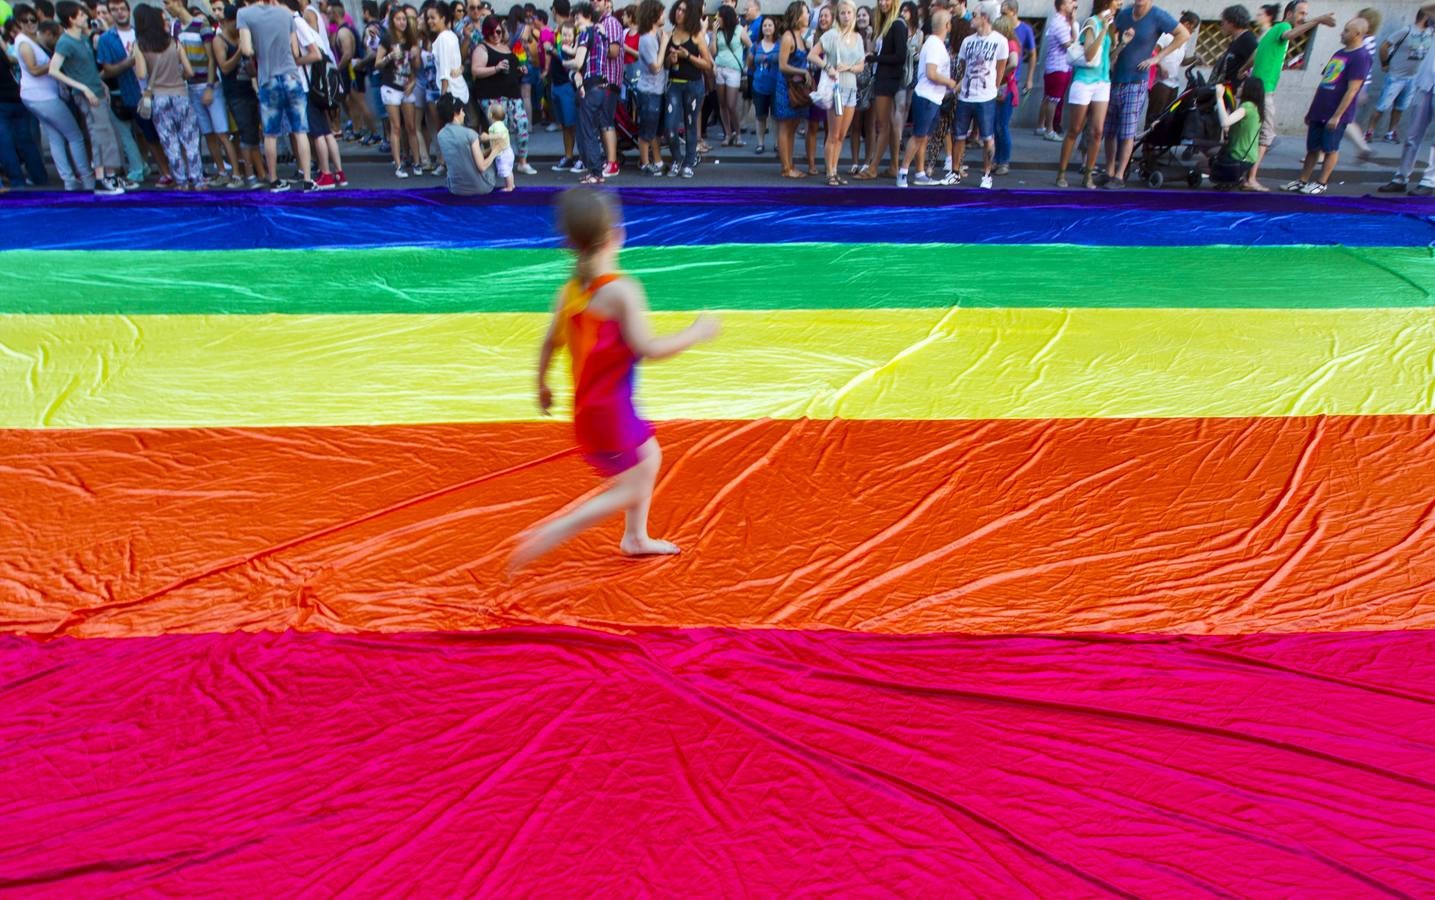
(1215, 525)
(729, 276)
(557, 762)
(745, 216)
(195, 371)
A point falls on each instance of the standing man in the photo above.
(73, 65)
(1422, 111)
(1401, 53)
(268, 35)
(113, 53)
(1140, 27)
(981, 62)
(1270, 61)
(1333, 107)
(1236, 25)
(613, 32)
(1026, 39)
(196, 41)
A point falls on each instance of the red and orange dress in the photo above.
(609, 429)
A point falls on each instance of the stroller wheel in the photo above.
(1155, 179)
(1193, 179)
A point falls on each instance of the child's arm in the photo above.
(638, 332)
(551, 342)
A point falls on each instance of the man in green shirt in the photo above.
(1268, 63)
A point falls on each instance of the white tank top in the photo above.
(35, 87)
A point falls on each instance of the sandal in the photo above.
(865, 175)
(834, 181)
(591, 179)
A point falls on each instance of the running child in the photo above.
(497, 140)
(602, 318)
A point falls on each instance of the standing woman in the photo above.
(398, 63)
(165, 72)
(519, 40)
(498, 76)
(843, 56)
(765, 78)
(1060, 35)
(891, 79)
(651, 86)
(816, 115)
(729, 46)
(792, 66)
(862, 123)
(428, 93)
(1090, 91)
(40, 94)
(688, 61)
(1008, 94)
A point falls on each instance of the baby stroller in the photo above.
(1180, 134)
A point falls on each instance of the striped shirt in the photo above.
(612, 31)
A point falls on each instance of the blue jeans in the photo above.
(590, 129)
(684, 105)
(62, 131)
(17, 145)
(1003, 152)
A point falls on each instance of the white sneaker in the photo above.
(951, 178)
(901, 179)
(1315, 187)
(986, 182)
(1293, 187)
(1041, 132)
(1053, 137)
(922, 178)
(525, 169)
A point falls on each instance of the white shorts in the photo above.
(395, 97)
(1085, 93)
(727, 77)
(504, 163)
(214, 118)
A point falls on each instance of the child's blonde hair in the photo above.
(496, 111)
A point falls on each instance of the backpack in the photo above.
(326, 84)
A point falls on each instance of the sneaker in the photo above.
(1392, 138)
(1061, 180)
(439, 171)
(385, 147)
(1369, 135)
(578, 167)
(525, 169)
(1002, 169)
(1088, 181)
(1315, 187)
(108, 187)
(308, 187)
(922, 179)
(687, 171)
(341, 178)
(761, 148)
(218, 181)
(325, 182)
(128, 184)
(1293, 187)
(611, 171)
(235, 183)
(166, 181)
(986, 182)
(1054, 137)
(1041, 132)
(901, 179)
(550, 127)
(252, 182)
(674, 170)
(72, 186)
(400, 172)
(1114, 184)
(278, 186)
(951, 178)
(1422, 190)
(563, 165)
(1394, 187)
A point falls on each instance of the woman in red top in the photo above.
(602, 318)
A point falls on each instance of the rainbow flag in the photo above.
(1034, 543)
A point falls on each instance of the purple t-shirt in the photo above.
(1344, 67)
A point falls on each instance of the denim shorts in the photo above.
(761, 105)
(244, 106)
(984, 114)
(284, 105)
(565, 104)
(214, 118)
(650, 115)
(924, 116)
(1319, 139)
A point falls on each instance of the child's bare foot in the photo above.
(647, 547)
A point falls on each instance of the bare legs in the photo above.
(630, 493)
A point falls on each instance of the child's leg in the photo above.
(1328, 166)
(630, 493)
